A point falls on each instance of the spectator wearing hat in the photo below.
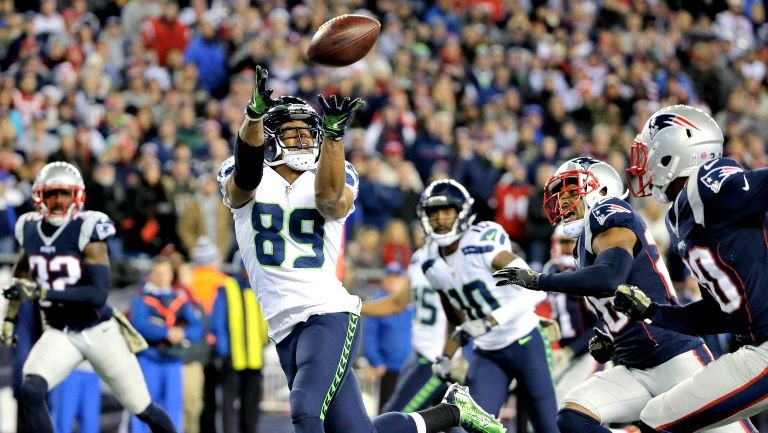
(241, 334)
(205, 281)
(387, 340)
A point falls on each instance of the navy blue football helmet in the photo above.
(287, 109)
(446, 193)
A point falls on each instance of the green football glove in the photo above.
(632, 302)
(261, 100)
(24, 290)
(337, 116)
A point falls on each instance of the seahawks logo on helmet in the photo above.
(666, 120)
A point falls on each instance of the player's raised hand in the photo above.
(523, 277)
(632, 302)
(337, 115)
(23, 290)
(261, 100)
(601, 346)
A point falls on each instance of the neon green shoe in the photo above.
(473, 418)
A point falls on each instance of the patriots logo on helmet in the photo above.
(584, 161)
(714, 178)
(602, 212)
(665, 120)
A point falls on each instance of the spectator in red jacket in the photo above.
(165, 33)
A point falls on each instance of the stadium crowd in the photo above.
(145, 98)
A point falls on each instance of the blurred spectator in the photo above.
(479, 175)
(206, 216)
(169, 323)
(77, 398)
(387, 340)
(207, 53)
(151, 211)
(396, 245)
(37, 140)
(511, 198)
(537, 225)
(165, 33)
(241, 334)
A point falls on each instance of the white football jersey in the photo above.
(429, 321)
(289, 250)
(465, 276)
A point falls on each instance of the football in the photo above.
(343, 40)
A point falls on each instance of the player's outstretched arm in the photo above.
(249, 145)
(389, 305)
(332, 199)
(615, 253)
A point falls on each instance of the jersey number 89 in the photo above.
(305, 226)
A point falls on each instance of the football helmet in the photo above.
(287, 109)
(585, 179)
(446, 193)
(674, 142)
(58, 176)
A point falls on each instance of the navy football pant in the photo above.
(491, 372)
(317, 358)
(416, 387)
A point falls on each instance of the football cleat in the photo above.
(473, 417)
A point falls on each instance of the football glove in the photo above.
(550, 328)
(471, 329)
(632, 302)
(527, 278)
(261, 99)
(337, 116)
(442, 368)
(24, 290)
(601, 346)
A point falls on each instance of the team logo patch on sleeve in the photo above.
(713, 179)
(603, 211)
(104, 230)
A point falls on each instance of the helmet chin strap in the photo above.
(573, 229)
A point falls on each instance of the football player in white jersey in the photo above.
(416, 386)
(501, 320)
(290, 191)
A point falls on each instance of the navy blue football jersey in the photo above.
(717, 225)
(55, 262)
(636, 344)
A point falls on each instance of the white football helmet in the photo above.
(674, 142)
(58, 176)
(586, 179)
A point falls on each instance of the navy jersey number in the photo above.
(468, 299)
(304, 226)
(426, 313)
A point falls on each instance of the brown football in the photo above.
(343, 40)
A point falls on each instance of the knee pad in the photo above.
(573, 421)
(302, 407)
(33, 389)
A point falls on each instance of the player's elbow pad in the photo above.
(249, 165)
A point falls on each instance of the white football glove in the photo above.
(442, 368)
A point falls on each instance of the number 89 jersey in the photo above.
(465, 276)
(289, 250)
(55, 263)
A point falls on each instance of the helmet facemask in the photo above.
(443, 194)
(53, 181)
(292, 134)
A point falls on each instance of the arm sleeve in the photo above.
(611, 268)
(218, 322)
(95, 293)
(140, 315)
(702, 317)
(194, 329)
(372, 342)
